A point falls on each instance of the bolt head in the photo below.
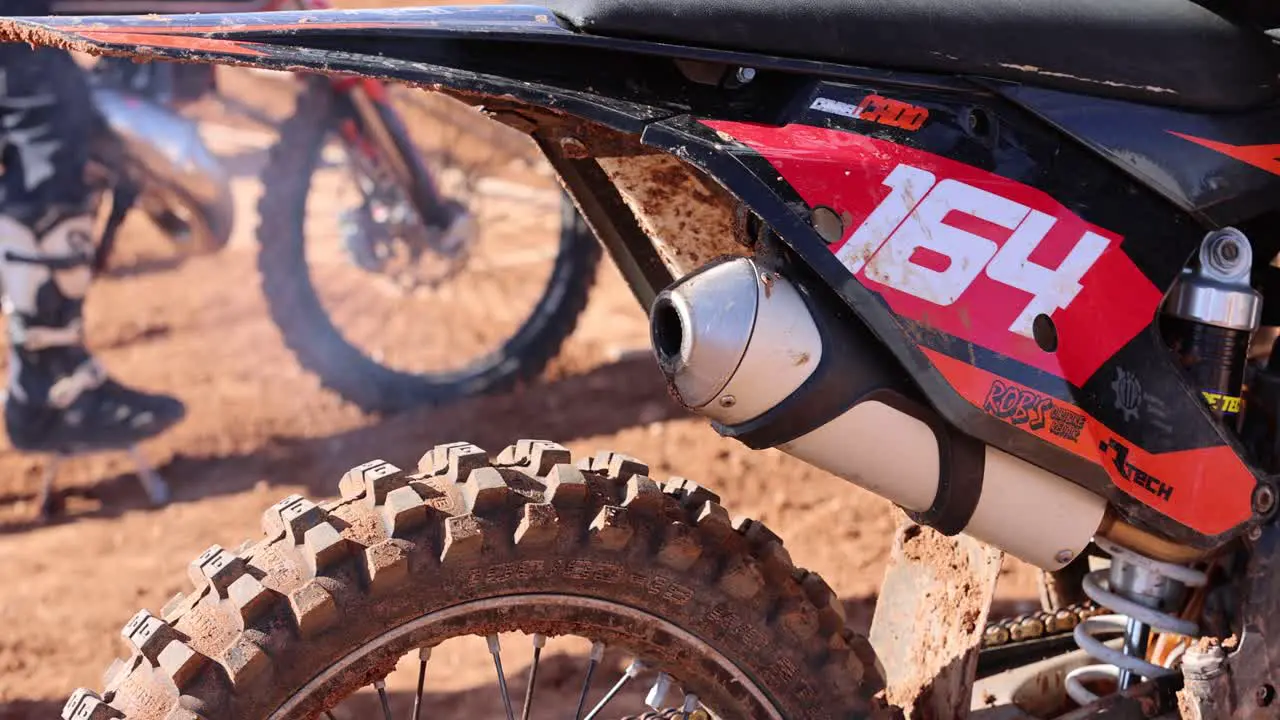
(1264, 695)
(746, 74)
(1226, 253)
(574, 148)
(728, 401)
(1264, 499)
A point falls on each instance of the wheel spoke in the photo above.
(424, 654)
(635, 668)
(496, 650)
(689, 706)
(597, 653)
(381, 687)
(657, 696)
(538, 642)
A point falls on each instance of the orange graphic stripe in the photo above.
(175, 42)
(1265, 157)
(1207, 489)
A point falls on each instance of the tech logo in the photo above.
(961, 250)
(1128, 392)
(1118, 454)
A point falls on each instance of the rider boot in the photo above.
(59, 398)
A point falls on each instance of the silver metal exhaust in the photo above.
(773, 366)
(176, 165)
(703, 326)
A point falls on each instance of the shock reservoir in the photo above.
(1209, 319)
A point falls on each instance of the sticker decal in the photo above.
(877, 109)
(964, 251)
(1120, 459)
(1066, 424)
(1021, 406)
(931, 255)
(1263, 157)
(1128, 392)
(1226, 404)
(1204, 488)
(1009, 402)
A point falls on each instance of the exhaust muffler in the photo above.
(774, 366)
(174, 163)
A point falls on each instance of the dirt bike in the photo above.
(1000, 263)
(404, 216)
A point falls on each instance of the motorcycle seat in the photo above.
(1168, 52)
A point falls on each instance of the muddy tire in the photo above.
(319, 346)
(283, 628)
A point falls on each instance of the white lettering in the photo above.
(1050, 289)
(914, 217)
(907, 185)
(926, 227)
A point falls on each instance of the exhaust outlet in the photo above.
(774, 366)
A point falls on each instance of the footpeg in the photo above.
(153, 484)
(50, 503)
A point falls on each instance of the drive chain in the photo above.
(1037, 625)
(1030, 626)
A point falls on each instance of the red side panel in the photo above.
(1207, 489)
(939, 261)
(978, 257)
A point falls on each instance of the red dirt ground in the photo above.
(260, 428)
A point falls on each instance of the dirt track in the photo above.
(260, 428)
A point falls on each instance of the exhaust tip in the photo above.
(700, 327)
(668, 334)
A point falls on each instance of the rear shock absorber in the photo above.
(1210, 317)
(1143, 593)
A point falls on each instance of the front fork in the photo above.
(370, 126)
(374, 128)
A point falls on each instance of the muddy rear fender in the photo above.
(590, 102)
(514, 52)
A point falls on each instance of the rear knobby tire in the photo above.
(328, 579)
(319, 345)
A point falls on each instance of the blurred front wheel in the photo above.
(390, 311)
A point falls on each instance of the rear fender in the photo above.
(481, 50)
(577, 100)
(474, 52)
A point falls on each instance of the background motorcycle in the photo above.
(413, 224)
(1015, 301)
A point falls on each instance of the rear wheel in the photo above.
(330, 600)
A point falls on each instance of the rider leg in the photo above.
(59, 398)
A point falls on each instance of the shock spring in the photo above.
(1139, 590)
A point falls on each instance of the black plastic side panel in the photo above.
(1224, 169)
